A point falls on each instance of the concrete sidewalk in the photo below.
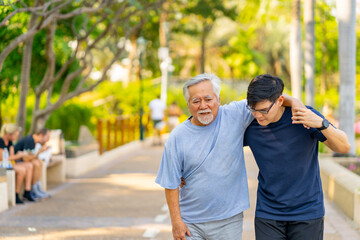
(121, 201)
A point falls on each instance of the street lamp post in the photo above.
(165, 67)
(141, 42)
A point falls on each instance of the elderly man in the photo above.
(207, 151)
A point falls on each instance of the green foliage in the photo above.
(70, 117)
(176, 95)
(256, 43)
(331, 97)
(244, 60)
(10, 75)
(209, 10)
(261, 44)
(326, 49)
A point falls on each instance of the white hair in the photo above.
(215, 81)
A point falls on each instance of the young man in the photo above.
(157, 114)
(289, 198)
(27, 146)
(207, 151)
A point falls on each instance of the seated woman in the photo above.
(23, 170)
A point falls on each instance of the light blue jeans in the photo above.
(226, 229)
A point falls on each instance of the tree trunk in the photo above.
(25, 75)
(34, 119)
(38, 122)
(295, 51)
(324, 74)
(164, 52)
(346, 16)
(132, 55)
(309, 52)
(203, 47)
(323, 70)
(163, 25)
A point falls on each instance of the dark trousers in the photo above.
(266, 229)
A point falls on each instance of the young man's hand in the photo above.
(180, 230)
(294, 103)
(43, 148)
(306, 117)
(183, 182)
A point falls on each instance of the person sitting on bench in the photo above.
(27, 145)
(23, 170)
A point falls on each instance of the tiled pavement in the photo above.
(121, 201)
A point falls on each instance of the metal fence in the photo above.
(114, 132)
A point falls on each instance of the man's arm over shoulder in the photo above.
(336, 139)
(241, 112)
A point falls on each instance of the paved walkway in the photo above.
(121, 201)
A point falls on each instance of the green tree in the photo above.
(201, 16)
(96, 28)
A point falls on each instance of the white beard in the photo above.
(205, 120)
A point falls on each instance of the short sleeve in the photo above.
(170, 171)
(315, 133)
(29, 143)
(247, 117)
(2, 143)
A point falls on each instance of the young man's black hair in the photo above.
(264, 87)
(42, 131)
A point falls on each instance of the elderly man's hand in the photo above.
(306, 117)
(180, 230)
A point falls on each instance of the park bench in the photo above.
(3, 190)
(54, 172)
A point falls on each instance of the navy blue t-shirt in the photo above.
(289, 178)
(27, 143)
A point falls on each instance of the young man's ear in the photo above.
(280, 100)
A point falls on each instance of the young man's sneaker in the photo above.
(35, 192)
(18, 200)
(42, 192)
(28, 196)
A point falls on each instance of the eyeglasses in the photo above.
(261, 111)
